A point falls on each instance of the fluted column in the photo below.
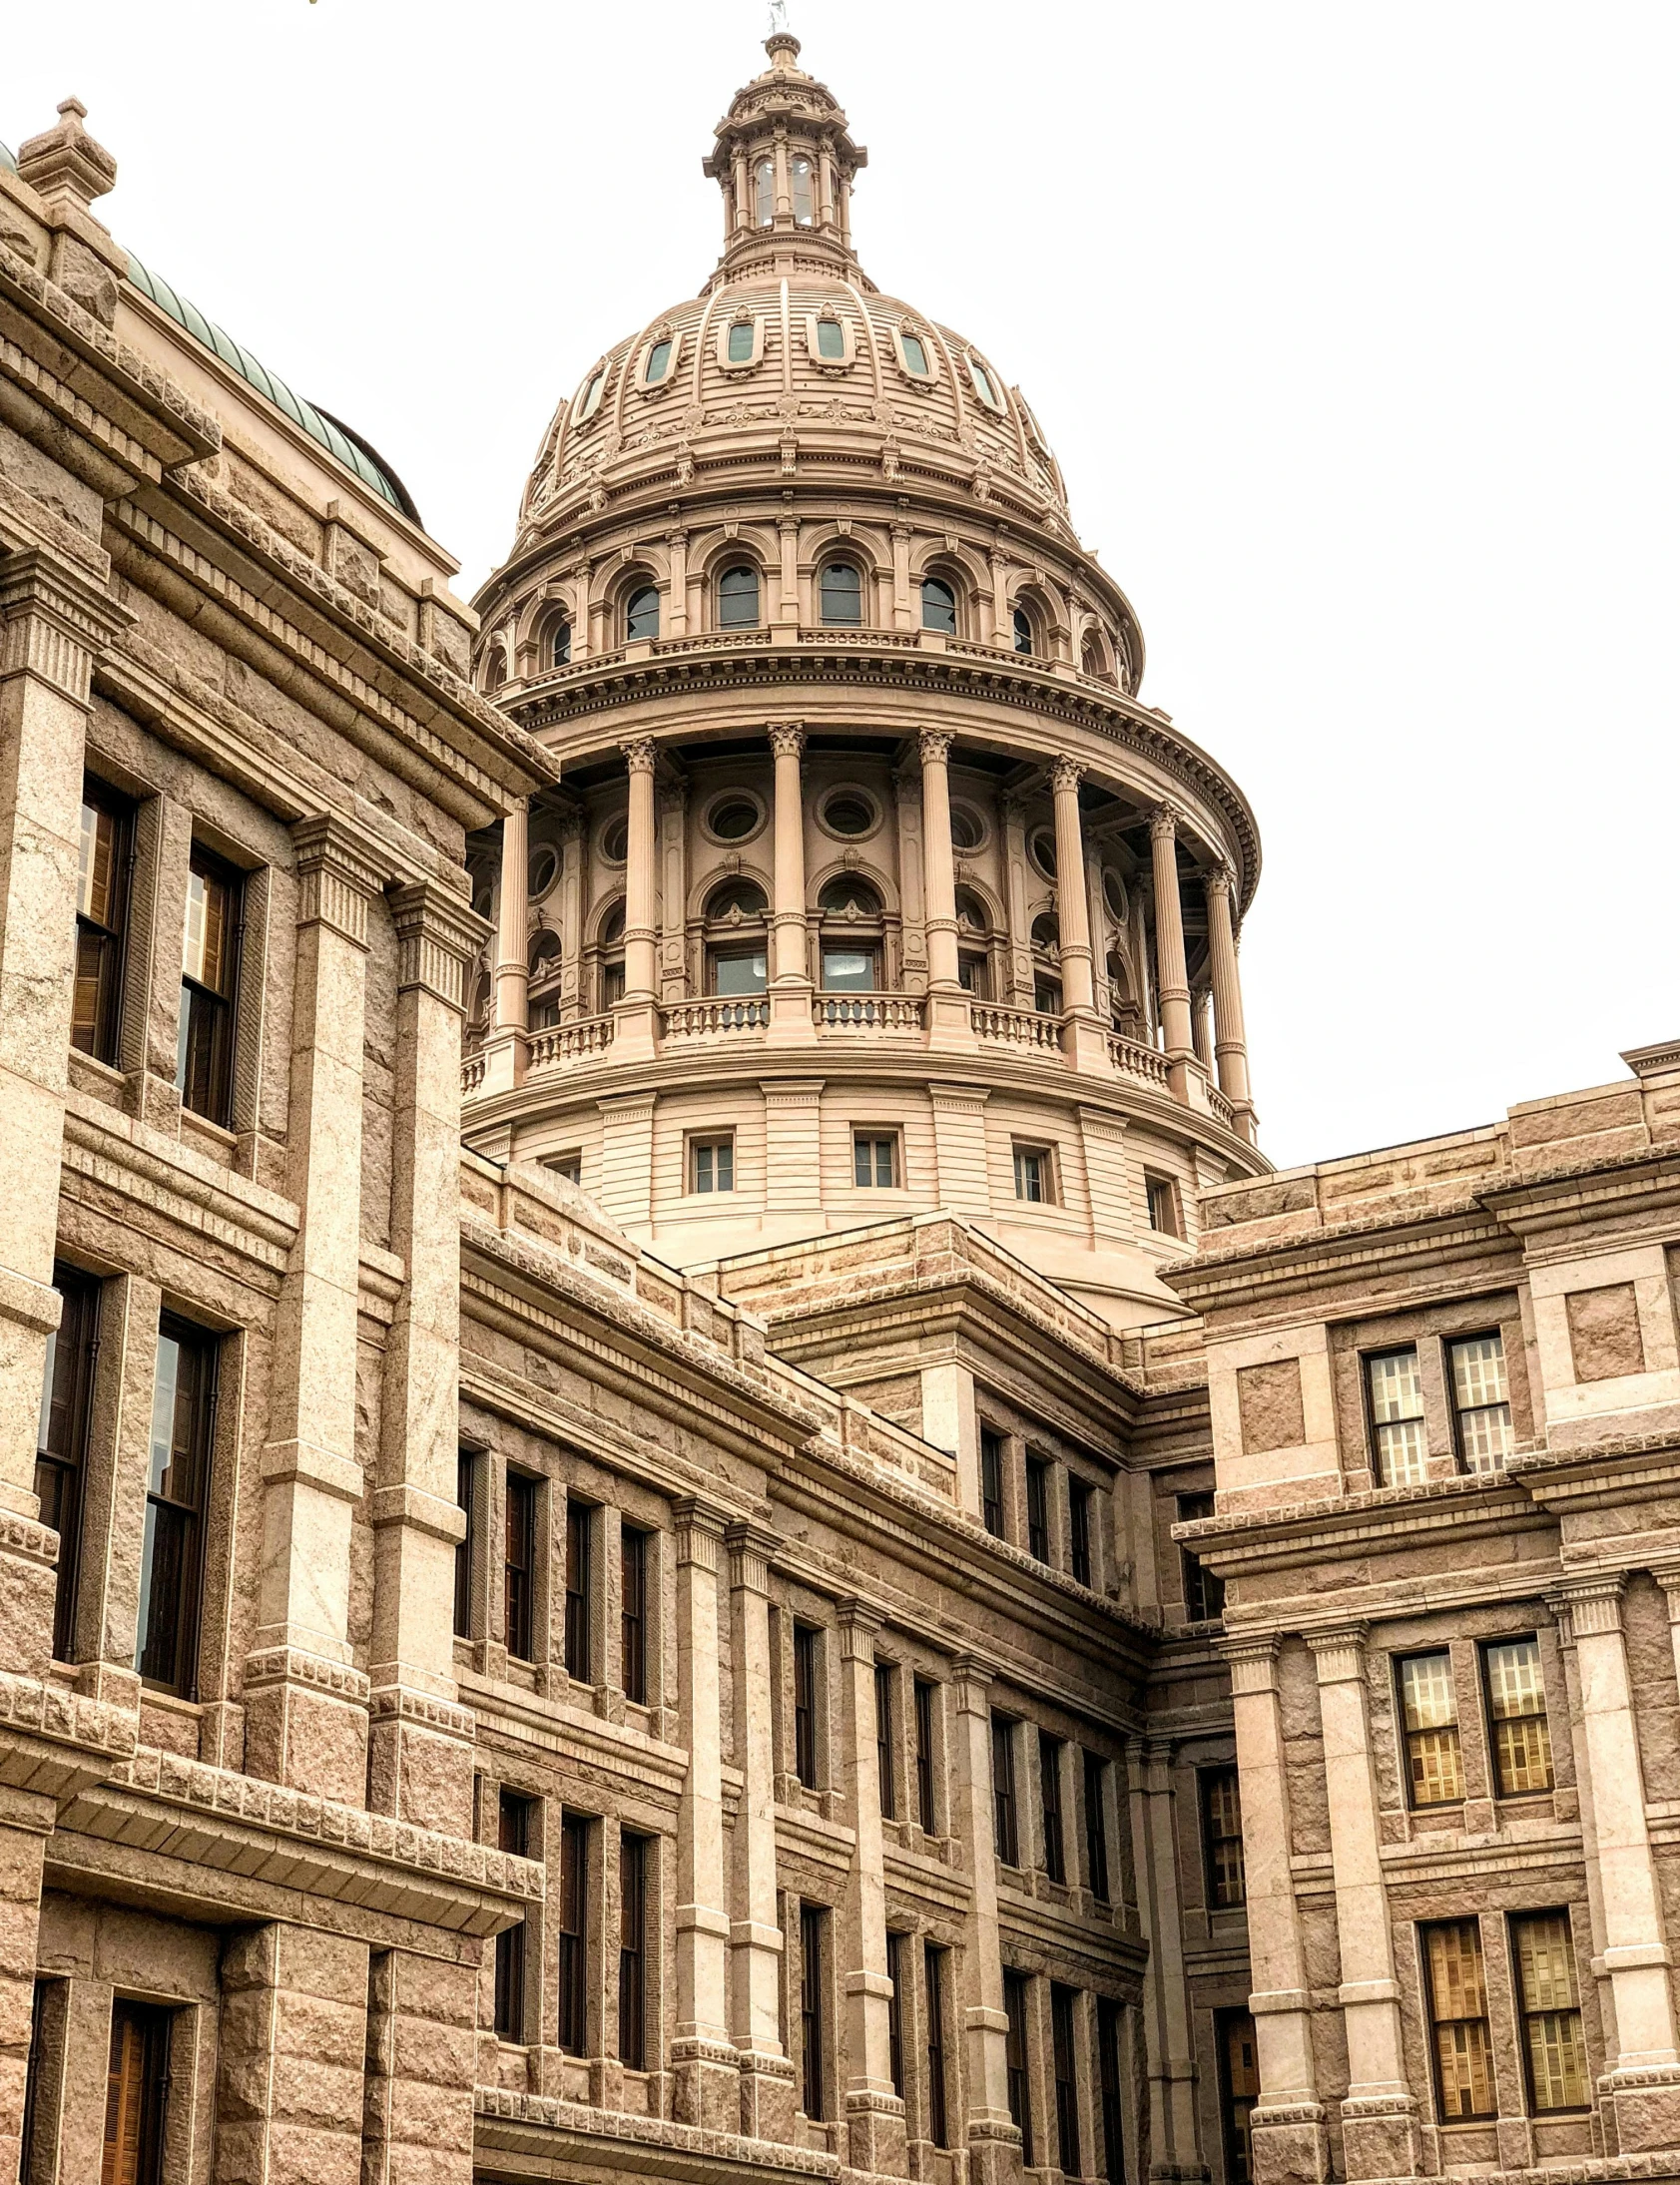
(1231, 1050)
(1645, 2073)
(1290, 2144)
(1172, 979)
(947, 1005)
(790, 974)
(1084, 1036)
(638, 1012)
(505, 1050)
(766, 2072)
(1380, 2115)
(874, 2114)
(992, 2135)
(702, 2063)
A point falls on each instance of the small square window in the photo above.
(567, 1166)
(875, 1160)
(1164, 1213)
(1035, 1175)
(712, 1164)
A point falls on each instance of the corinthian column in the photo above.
(1230, 1051)
(641, 939)
(1085, 1038)
(947, 1005)
(505, 1050)
(789, 976)
(1172, 979)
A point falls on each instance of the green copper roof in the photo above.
(8, 158)
(349, 447)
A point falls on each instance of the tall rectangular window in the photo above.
(210, 954)
(1435, 1769)
(1051, 1805)
(1458, 1998)
(633, 1614)
(513, 1833)
(812, 1924)
(1222, 1838)
(61, 1444)
(1005, 1831)
(712, 1164)
(519, 1565)
(632, 1952)
(102, 904)
(1096, 1826)
(884, 1740)
(1038, 1508)
(1204, 1592)
(1554, 2049)
(580, 1591)
(1079, 1531)
(1400, 1450)
(572, 1967)
(991, 1481)
(1033, 1180)
(933, 1979)
(1015, 2062)
(1516, 1705)
(805, 1705)
(1108, 2083)
(1481, 1401)
(1163, 1206)
(1068, 2084)
(135, 2094)
(924, 1807)
(1239, 2090)
(895, 2011)
(466, 1547)
(874, 1161)
(176, 1495)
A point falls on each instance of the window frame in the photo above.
(886, 1674)
(1492, 1719)
(739, 569)
(1203, 1589)
(813, 323)
(634, 1543)
(1161, 1195)
(1095, 1790)
(154, 2025)
(1434, 2020)
(896, 1941)
(578, 1638)
(1235, 2108)
(808, 1681)
(108, 936)
(1020, 1150)
(934, 1989)
(756, 349)
(186, 1599)
(1064, 2069)
(513, 1835)
(1514, 1923)
(635, 608)
(1081, 1500)
(571, 1922)
(1036, 1501)
(834, 622)
(1052, 1833)
(952, 594)
(1374, 1447)
(1017, 2050)
(924, 1690)
(467, 1463)
(1005, 1804)
(1210, 1783)
(633, 1861)
(993, 1450)
(1451, 1345)
(711, 1147)
(519, 1570)
(81, 1298)
(874, 1141)
(208, 1036)
(814, 1921)
(1409, 1759)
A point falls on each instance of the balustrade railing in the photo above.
(715, 1017)
(1133, 1060)
(997, 1026)
(867, 1012)
(472, 1075)
(558, 1043)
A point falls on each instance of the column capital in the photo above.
(1066, 775)
(1340, 1650)
(1252, 1661)
(55, 621)
(1593, 1603)
(858, 1623)
(751, 1548)
(972, 1679)
(1165, 819)
(786, 739)
(935, 746)
(337, 879)
(1667, 1576)
(640, 754)
(1218, 879)
(439, 934)
(699, 1530)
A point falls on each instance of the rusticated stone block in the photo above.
(1604, 1337)
(1269, 1403)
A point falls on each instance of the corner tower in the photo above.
(872, 887)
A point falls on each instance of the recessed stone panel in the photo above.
(1269, 1403)
(1604, 1337)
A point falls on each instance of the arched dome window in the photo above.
(973, 931)
(841, 596)
(801, 171)
(562, 649)
(609, 949)
(589, 401)
(764, 184)
(1047, 964)
(830, 340)
(939, 606)
(658, 363)
(852, 935)
(738, 599)
(641, 613)
(735, 900)
(1022, 626)
(743, 339)
(915, 354)
(737, 947)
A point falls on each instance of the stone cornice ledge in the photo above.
(1372, 1514)
(265, 1831)
(617, 2139)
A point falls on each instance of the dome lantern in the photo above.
(785, 161)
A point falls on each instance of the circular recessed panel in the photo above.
(1114, 894)
(542, 872)
(615, 840)
(735, 816)
(850, 813)
(968, 828)
(1041, 848)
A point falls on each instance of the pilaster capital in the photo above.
(55, 621)
(699, 1532)
(750, 1551)
(971, 1680)
(935, 746)
(439, 934)
(1339, 1652)
(337, 877)
(1667, 1576)
(1593, 1603)
(640, 754)
(1252, 1661)
(1066, 776)
(786, 739)
(858, 1623)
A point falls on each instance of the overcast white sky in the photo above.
(1352, 323)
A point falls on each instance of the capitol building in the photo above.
(678, 1494)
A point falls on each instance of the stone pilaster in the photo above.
(1174, 2138)
(305, 1700)
(1291, 2145)
(1086, 1036)
(1380, 2135)
(505, 1049)
(949, 1021)
(874, 2114)
(294, 2052)
(703, 2058)
(421, 2050)
(421, 1757)
(635, 1033)
(993, 2138)
(767, 2092)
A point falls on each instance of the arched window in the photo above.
(495, 668)
(610, 945)
(801, 192)
(738, 599)
(939, 606)
(657, 364)
(735, 900)
(641, 613)
(1046, 966)
(973, 931)
(563, 645)
(1022, 625)
(737, 947)
(852, 936)
(765, 187)
(830, 340)
(842, 591)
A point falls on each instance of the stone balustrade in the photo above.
(997, 1026)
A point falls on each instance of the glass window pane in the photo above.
(1479, 1371)
(738, 599)
(659, 362)
(641, 614)
(848, 970)
(741, 343)
(1427, 1691)
(939, 606)
(842, 595)
(1395, 1389)
(1555, 2047)
(742, 973)
(915, 354)
(766, 193)
(831, 338)
(801, 192)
